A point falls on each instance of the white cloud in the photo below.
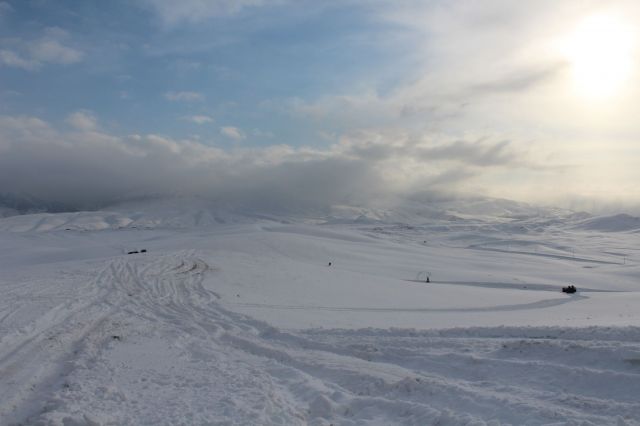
(199, 119)
(51, 48)
(263, 134)
(184, 96)
(23, 128)
(12, 59)
(82, 120)
(52, 51)
(233, 133)
(172, 12)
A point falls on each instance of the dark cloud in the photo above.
(517, 81)
(480, 152)
(472, 153)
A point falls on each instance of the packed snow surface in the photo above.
(239, 320)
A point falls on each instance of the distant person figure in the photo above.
(428, 280)
(329, 263)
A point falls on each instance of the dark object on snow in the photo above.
(132, 252)
(115, 337)
(329, 263)
(143, 251)
(569, 289)
(428, 280)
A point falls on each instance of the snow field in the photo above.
(247, 324)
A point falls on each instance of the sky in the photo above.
(277, 102)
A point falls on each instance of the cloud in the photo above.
(233, 133)
(82, 120)
(184, 96)
(31, 55)
(518, 80)
(87, 168)
(199, 119)
(263, 134)
(476, 153)
(173, 12)
(5, 8)
(468, 61)
(12, 59)
(482, 69)
(54, 52)
(400, 146)
(456, 95)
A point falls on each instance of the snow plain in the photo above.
(237, 319)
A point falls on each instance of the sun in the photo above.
(600, 51)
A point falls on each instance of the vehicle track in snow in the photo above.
(246, 371)
(32, 360)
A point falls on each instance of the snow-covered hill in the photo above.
(615, 223)
(325, 318)
(189, 212)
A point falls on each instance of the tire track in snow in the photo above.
(411, 380)
(545, 303)
(32, 361)
(514, 286)
(403, 382)
(333, 376)
(548, 255)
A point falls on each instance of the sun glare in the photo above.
(600, 52)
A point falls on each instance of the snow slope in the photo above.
(615, 223)
(242, 321)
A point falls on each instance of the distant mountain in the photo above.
(420, 210)
(188, 212)
(11, 205)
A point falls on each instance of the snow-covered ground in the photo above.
(239, 319)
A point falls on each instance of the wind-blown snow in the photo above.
(239, 319)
